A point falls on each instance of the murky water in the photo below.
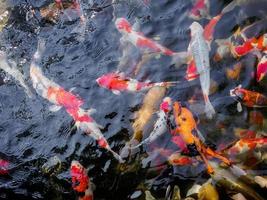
(31, 135)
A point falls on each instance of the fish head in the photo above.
(123, 25)
(105, 80)
(237, 92)
(196, 28)
(166, 104)
(79, 177)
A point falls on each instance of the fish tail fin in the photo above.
(209, 110)
(229, 7)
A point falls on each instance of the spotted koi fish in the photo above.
(117, 83)
(161, 125)
(200, 51)
(62, 98)
(185, 127)
(249, 98)
(80, 181)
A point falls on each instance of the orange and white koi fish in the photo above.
(249, 98)
(117, 83)
(80, 181)
(185, 125)
(139, 40)
(245, 145)
(161, 125)
(200, 52)
(200, 9)
(61, 98)
(4, 167)
(9, 67)
(262, 68)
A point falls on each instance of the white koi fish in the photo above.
(200, 51)
(10, 67)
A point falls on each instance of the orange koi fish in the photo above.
(117, 83)
(80, 181)
(245, 145)
(185, 126)
(249, 98)
(261, 68)
(4, 167)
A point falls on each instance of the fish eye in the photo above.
(184, 119)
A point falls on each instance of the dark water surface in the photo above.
(30, 134)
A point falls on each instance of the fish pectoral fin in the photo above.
(71, 89)
(91, 111)
(117, 92)
(239, 107)
(54, 108)
(100, 126)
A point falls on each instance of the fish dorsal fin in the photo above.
(117, 92)
(54, 108)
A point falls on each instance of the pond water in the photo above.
(40, 145)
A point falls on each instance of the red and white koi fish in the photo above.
(4, 167)
(161, 125)
(139, 40)
(117, 83)
(200, 51)
(10, 67)
(262, 68)
(200, 9)
(80, 181)
(249, 98)
(61, 98)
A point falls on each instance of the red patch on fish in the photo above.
(79, 179)
(191, 71)
(179, 142)
(261, 68)
(4, 167)
(102, 143)
(243, 49)
(209, 28)
(124, 24)
(199, 5)
(183, 160)
(79, 117)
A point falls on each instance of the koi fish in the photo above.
(61, 98)
(178, 159)
(199, 9)
(80, 181)
(231, 6)
(139, 40)
(249, 98)
(9, 67)
(117, 83)
(185, 127)
(261, 68)
(161, 125)
(4, 167)
(200, 51)
(245, 145)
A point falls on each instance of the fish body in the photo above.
(139, 40)
(249, 98)
(80, 181)
(161, 125)
(262, 68)
(209, 28)
(118, 83)
(10, 68)
(200, 51)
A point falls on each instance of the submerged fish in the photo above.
(4, 166)
(80, 181)
(161, 125)
(249, 98)
(62, 98)
(200, 51)
(9, 67)
(117, 83)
